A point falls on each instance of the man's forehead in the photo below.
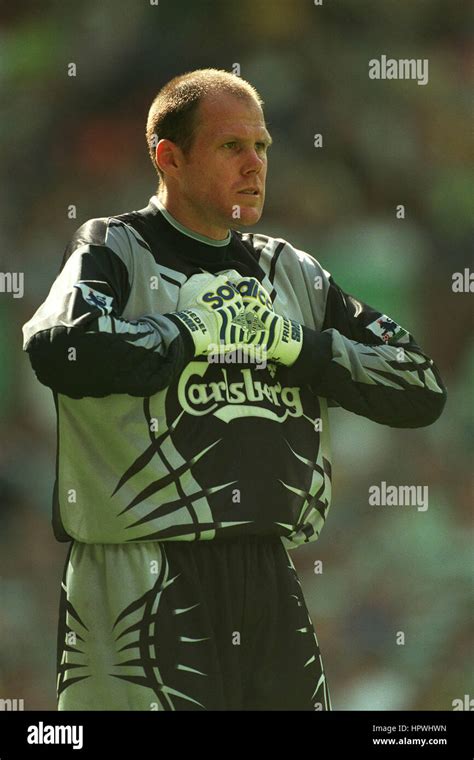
(227, 114)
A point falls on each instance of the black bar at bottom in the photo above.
(373, 734)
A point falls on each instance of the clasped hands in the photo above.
(226, 312)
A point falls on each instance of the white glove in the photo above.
(214, 313)
(200, 283)
(252, 291)
(279, 337)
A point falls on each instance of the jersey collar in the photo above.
(185, 230)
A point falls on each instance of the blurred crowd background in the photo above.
(80, 141)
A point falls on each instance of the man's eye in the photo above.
(231, 144)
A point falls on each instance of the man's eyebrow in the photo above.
(231, 136)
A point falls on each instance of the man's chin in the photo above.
(247, 218)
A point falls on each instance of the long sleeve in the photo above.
(77, 341)
(367, 363)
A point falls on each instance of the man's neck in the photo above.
(188, 220)
(188, 230)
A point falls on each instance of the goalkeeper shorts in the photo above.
(179, 625)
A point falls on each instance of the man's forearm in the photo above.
(394, 385)
(78, 362)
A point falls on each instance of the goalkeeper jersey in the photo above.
(156, 444)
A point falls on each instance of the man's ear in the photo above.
(168, 156)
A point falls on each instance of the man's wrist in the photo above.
(290, 343)
(189, 344)
(313, 359)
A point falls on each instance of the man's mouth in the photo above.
(249, 191)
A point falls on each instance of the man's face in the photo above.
(227, 158)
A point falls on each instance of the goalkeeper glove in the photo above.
(215, 314)
(281, 338)
(252, 291)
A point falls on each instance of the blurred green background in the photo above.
(81, 141)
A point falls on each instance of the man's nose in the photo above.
(252, 161)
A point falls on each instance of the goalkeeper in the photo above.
(185, 473)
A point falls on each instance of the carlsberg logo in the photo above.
(229, 400)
